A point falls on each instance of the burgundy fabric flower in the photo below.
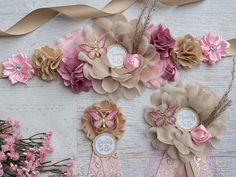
(171, 73)
(162, 40)
(71, 72)
(165, 71)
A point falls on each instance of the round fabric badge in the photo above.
(104, 145)
(116, 55)
(186, 119)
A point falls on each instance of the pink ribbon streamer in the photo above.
(105, 166)
(160, 165)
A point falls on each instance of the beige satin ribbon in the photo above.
(232, 49)
(40, 16)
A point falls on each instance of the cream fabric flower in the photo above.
(114, 81)
(178, 143)
(46, 61)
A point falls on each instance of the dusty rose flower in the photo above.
(132, 61)
(214, 47)
(200, 135)
(162, 39)
(164, 71)
(18, 68)
(71, 72)
(171, 73)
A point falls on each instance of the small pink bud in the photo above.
(200, 135)
(132, 61)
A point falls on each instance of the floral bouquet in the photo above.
(26, 157)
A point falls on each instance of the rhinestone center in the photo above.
(18, 68)
(213, 47)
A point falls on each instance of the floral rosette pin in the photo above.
(104, 124)
(187, 121)
(115, 66)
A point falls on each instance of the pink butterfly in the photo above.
(96, 48)
(164, 118)
(103, 121)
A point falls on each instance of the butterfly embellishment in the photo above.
(96, 48)
(166, 117)
(104, 120)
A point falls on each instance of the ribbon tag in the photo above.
(200, 166)
(105, 160)
(104, 124)
(104, 145)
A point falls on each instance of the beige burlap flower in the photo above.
(176, 142)
(116, 81)
(46, 61)
(103, 111)
(187, 52)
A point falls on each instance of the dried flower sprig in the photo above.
(21, 157)
(224, 102)
(143, 21)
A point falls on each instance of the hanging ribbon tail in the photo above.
(154, 163)
(204, 166)
(105, 166)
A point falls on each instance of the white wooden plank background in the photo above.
(42, 106)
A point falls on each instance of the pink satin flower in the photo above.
(162, 39)
(132, 61)
(18, 68)
(214, 48)
(200, 135)
(164, 71)
(71, 71)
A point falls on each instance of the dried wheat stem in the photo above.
(142, 23)
(224, 102)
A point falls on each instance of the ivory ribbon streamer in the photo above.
(38, 17)
(105, 166)
(198, 167)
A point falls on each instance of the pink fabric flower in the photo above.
(132, 61)
(214, 47)
(1, 170)
(164, 71)
(68, 44)
(2, 156)
(18, 68)
(200, 135)
(71, 72)
(162, 40)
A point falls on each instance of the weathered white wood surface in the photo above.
(42, 106)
